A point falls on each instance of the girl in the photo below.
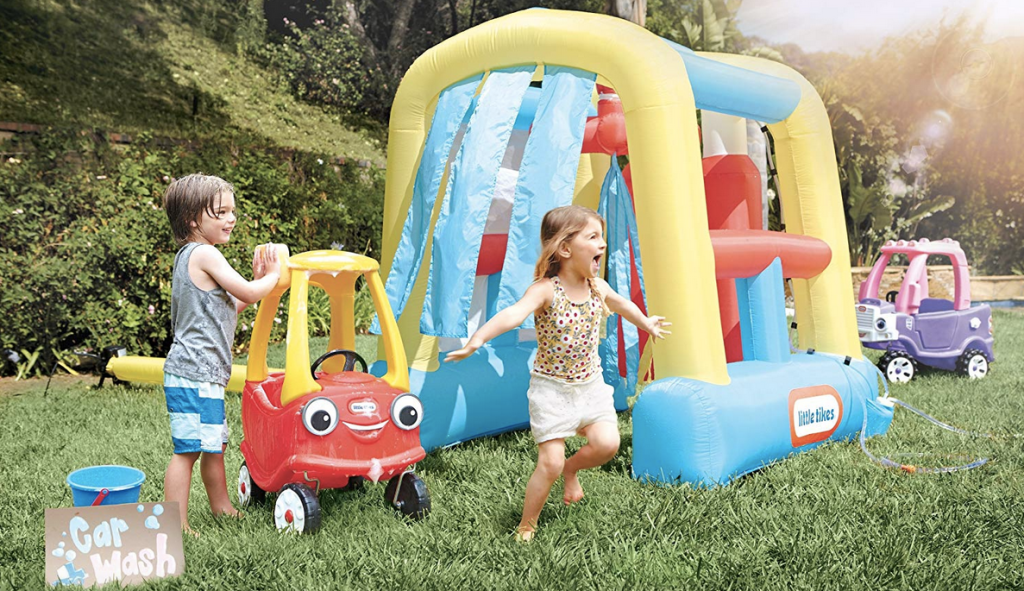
(206, 296)
(568, 394)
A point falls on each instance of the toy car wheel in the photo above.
(354, 483)
(898, 366)
(408, 493)
(249, 493)
(297, 509)
(972, 364)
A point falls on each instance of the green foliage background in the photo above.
(926, 148)
(270, 102)
(86, 250)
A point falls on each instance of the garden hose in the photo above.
(912, 468)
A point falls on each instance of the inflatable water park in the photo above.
(544, 108)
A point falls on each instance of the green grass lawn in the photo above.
(828, 519)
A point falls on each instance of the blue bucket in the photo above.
(105, 485)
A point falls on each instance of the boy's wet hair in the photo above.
(188, 197)
(560, 225)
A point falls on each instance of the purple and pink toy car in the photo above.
(913, 328)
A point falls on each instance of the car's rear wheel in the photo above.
(972, 364)
(354, 483)
(898, 366)
(297, 509)
(408, 493)
(249, 493)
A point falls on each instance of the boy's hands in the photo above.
(655, 326)
(259, 267)
(264, 261)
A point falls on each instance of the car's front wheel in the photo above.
(972, 364)
(297, 509)
(898, 366)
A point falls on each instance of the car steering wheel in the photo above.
(890, 296)
(350, 360)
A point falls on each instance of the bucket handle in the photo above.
(102, 495)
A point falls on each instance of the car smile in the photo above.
(376, 427)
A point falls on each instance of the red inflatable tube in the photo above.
(745, 253)
(606, 133)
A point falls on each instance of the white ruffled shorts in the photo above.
(561, 409)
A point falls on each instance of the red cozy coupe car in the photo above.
(329, 423)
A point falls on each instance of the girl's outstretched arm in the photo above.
(537, 296)
(655, 325)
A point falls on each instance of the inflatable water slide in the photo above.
(497, 125)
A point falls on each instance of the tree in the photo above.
(632, 10)
(705, 25)
(917, 159)
(393, 34)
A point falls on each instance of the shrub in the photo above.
(86, 250)
(321, 64)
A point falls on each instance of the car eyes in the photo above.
(320, 416)
(407, 412)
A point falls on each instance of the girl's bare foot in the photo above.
(188, 530)
(525, 533)
(573, 488)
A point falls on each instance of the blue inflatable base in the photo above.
(688, 431)
(684, 431)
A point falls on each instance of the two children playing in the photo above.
(567, 393)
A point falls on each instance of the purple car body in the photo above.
(913, 328)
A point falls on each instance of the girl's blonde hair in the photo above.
(560, 225)
(188, 197)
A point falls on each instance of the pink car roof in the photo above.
(946, 246)
(914, 287)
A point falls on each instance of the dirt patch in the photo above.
(12, 387)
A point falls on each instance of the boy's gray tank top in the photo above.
(203, 323)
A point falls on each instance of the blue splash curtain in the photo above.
(547, 175)
(616, 208)
(467, 199)
(453, 105)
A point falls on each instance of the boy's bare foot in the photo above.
(188, 530)
(229, 512)
(525, 533)
(573, 488)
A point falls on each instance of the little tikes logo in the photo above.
(814, 414)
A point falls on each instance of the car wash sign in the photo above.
(814, 414)
(126, 543)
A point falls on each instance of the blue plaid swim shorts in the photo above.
(198, 422)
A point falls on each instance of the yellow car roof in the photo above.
(332, 261)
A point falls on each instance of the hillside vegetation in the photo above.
(174, 69)
(85, 248)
